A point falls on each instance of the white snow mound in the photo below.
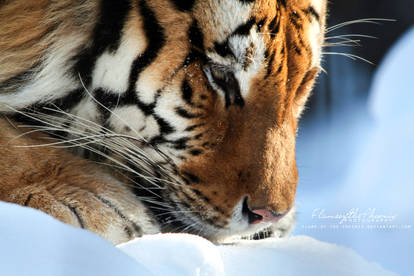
(35, 244)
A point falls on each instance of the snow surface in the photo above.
(176, 255)
(362, 158)
(35, 244)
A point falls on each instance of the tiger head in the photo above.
(234, 77)
(211, 91)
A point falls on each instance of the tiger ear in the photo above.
(303, 92)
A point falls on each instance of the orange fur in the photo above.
(30, 28)
(247, 152)
(56, 182)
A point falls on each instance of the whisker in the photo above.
(351, 56)
(165, 156)
(193, 225)
(323, 70)
(342, 44)
(350, 35)
(46, 118)
(358, 21)
(172, 212)
(106, 108)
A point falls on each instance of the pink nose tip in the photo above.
(267, 216)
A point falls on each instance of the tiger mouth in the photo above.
(245, 223)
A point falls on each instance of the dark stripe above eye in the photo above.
(244, 29)
(247, 1)
(183, 5)
(223, 49)
(312, 12)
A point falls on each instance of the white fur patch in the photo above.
(87, 110)
(224, 21)
(147, 86)
(112, 70)
(319, 5)
(239, 44)
(284, 226)
(165, 109)
(132, 117)
(314, 34)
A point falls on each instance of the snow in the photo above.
(179, 254)
(35, 244)
(176, 255)
(299, 255)
(361, 161)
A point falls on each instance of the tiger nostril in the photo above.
(260, 215)
(268, 215)
(252, 217)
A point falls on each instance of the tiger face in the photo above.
(232, 108)
(211, 90)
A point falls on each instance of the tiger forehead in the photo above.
(220, 18)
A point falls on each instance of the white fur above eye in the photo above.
(225, 24)
(318, 5)
(239, 45)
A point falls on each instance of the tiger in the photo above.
(135, 117)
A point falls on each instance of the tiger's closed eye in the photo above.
(223, 80)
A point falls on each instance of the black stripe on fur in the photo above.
(106, 36)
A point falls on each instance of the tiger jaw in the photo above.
(238, 224)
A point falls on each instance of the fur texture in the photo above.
(193, 103)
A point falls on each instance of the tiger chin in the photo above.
(148, 116)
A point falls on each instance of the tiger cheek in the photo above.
(253, 157)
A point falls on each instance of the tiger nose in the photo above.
(264, 215)
(258, 215)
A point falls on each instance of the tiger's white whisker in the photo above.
(351, 56)
(358, 21)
